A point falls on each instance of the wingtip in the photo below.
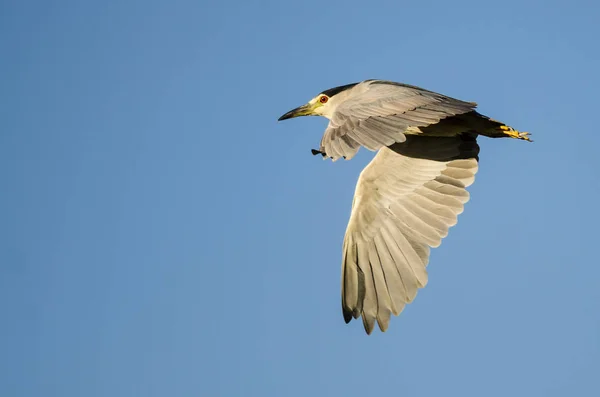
(383, 323)
(368, 324)
(347, 315)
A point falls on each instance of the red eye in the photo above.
(323, 99)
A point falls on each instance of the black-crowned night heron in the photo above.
(410, 194)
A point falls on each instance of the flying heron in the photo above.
(409, 195)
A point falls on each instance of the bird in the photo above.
(411, 192)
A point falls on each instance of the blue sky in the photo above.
(161, 234)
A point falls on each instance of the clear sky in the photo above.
(161, 234)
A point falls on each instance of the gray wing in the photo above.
(406, 199)
(379, 113)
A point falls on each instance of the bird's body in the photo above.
(410, 194)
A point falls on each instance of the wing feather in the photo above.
(405, 202)
(380, 113)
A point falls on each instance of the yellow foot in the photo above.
(511, 132)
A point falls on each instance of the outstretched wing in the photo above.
(379, 113)
(406, 199)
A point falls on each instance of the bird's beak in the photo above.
(304, 110)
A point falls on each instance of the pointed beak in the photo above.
(304, 110)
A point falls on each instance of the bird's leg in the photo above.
(512, 133)
(315, 152)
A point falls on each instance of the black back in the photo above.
(336, 90)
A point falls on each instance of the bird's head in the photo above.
(315, 107)
(323, 104)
